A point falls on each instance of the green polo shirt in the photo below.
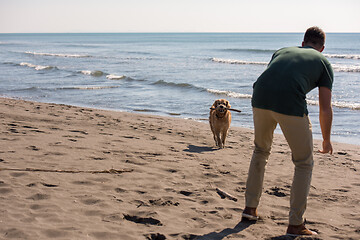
(290, 75)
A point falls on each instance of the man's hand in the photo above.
(326, 147)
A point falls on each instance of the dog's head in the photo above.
(221, 105)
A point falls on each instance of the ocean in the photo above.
(170, 74)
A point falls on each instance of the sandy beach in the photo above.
(77, 173)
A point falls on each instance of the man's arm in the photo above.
(325, 117)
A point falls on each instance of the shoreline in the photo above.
(73, 173)
(316, 136)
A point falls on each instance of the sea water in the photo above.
(170, 74)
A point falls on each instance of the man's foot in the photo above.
(250, 214)
(298, 230)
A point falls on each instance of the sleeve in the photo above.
(327, 77)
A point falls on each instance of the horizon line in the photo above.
(139, 32)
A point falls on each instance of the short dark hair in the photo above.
(315, 35)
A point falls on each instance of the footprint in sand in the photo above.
(141, 220)
(186, 193)
(120, 190)
(3, 184)
(93, 213)
(98, 158)
(276, 191)
(116, 217)
(39, 196)
(90, 201)
(4, 191)
(49, 185)
(53, 233)
(161, 202)
(83, 183)
(34, 148)
(155, 236)
(36, 207)
(14, 233)
(18, 174)
(105, 235)
(79, 131)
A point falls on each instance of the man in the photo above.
(279, 97)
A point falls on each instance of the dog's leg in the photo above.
(223, 137)
(218, 140)
(214, 135)
(215, 139)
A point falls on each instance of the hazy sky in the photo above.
(178, 15)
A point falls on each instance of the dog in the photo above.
(220, 119)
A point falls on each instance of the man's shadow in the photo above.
(238, 228)
(227, 231)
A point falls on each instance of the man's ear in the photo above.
(302, 44)
(322, 49)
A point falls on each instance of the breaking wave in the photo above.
(346, 68)
(248, 50)
(95, 73)
(336, 67)
(86, 87)
(343, 56)
(241, 62)
(178, 85)
(115, 77)
(338, 104)
(228, 93)
(65, 88)
(37, 67)
(65, 55)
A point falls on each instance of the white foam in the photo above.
(59, 55)
(92, 73)
(115, 77)
(346, 68)
(354, 106)
(86, 72)
(37, 67)
(339, 104)
(233, 61)
(336, 67)
(345, 56)
(229, 93)
(95, 87)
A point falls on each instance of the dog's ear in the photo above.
(228, 104)
(216, 103)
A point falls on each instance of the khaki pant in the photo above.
(298, 133)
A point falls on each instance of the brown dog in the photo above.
(220, 119)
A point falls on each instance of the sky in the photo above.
(59, 16)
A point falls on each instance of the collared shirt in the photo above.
(290, 75)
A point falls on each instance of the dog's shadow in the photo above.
(226, 232)
(199, 149)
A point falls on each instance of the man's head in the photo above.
(314, 37)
